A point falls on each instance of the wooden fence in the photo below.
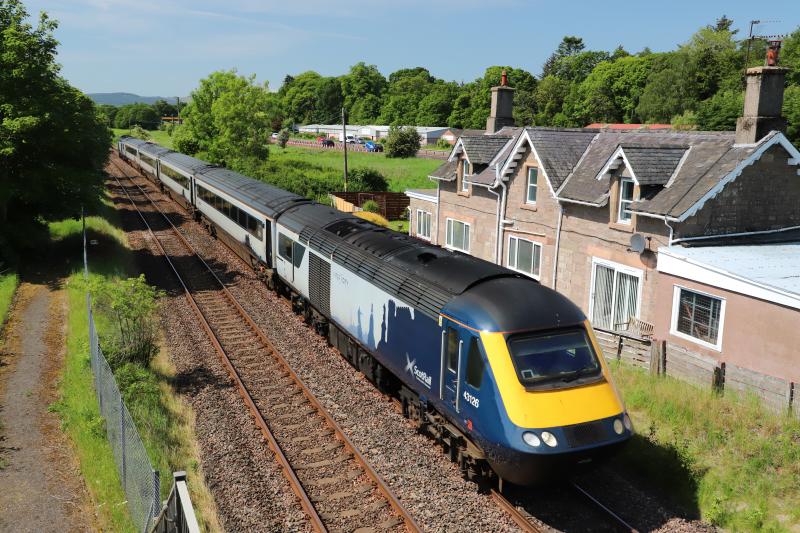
(392, 205)
(664, 358)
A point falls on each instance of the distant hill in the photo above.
(129, 98)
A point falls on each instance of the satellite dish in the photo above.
(637, 243)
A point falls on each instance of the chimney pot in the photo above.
(504, 79)
(773, 51)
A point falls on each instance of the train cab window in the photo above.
(474, 364)
(452, 350)
(285, 246)
(554, 359)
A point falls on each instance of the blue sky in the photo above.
(163, 48)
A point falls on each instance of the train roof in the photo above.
(266, 198)
(132, 141)
(153, 149)
(510, 305)
(186, 163)
(426, 276)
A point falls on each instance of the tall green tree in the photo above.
(363, 82)
(230, 118)
(53, 142)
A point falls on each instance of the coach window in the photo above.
(285, 246)
(298, 252)
(474, 365)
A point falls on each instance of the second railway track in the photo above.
(336, 487)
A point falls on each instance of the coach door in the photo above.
(285, 264)
(452, 352)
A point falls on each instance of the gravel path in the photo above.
(40, 483)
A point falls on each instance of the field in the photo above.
(402, 174)
(164, 421)
(157, 136)
(721, 456)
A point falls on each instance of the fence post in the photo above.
(156, 494)
(122, 446)
(655, 357)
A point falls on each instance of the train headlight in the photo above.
(627, 421)
(619, 427)
(531, 439)
(549, 439)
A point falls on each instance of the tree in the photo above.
(550, 95)
(164, 108)
(53, 142)
(790, 57)
(612, 91)
(791, 110)
(569, 46)
(670, 88)
(283, 138)
(229, 118)
(108, 112)
(361, 82)
(367, 179)
(719, 113)
(402, 142)
(311, 98)
(142, 115)
(140, 133)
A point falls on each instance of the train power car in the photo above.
(505, 373)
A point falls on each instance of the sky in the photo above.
(163, 48)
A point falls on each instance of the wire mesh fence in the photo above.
(140, 480)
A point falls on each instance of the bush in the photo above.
(402, 142)
(443, 144)
(132, 305)
(283, 138)
(371, 206)
(140, 133)
(184, 141)
(366, 179)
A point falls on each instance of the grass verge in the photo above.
(722, 457)
(164, 420)
(8, 286)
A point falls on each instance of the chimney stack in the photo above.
(763, 99)
(501, 114)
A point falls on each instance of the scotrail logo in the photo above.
(422, 376)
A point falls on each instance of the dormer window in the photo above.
(624, 213)
(533, 179)
(465, 172)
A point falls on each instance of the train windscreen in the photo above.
(554, 359)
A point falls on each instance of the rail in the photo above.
(215, 321)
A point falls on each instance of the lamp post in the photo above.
(344, 141)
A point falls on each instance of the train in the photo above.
(506, 374)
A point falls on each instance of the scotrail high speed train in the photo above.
(506, 374)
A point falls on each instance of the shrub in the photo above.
(402, 142)
(184, 141)
(283, 138)
(132, 305)
(140, 133)
(375, 218)
(371, 206)
(443, 144)
(366, 179)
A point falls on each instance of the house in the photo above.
(427, 134)
(451, 135)
(586, 211)
(738, 303)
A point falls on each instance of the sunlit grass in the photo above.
(737, 463)
(8, 286)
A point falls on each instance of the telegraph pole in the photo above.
(344, 142)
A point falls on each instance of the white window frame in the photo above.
(448, 238)
(421, 217)
(464, 167)
(673, 327)
(625, 270)
(536, 245)
(621, 202)
(535, 186)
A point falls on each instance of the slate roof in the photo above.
(487, 176)
(653, 165)
(560, 149)
(710, 157)
(482, 149)
(445, 172)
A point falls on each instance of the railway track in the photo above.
(336, 487)
(249, 342)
